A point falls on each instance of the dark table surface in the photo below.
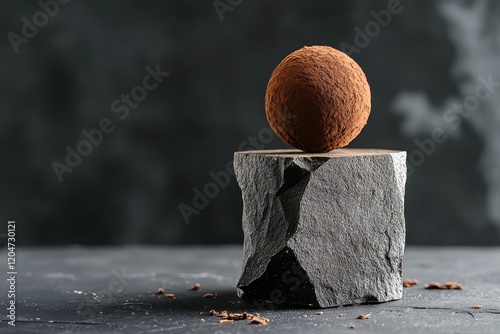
(107, 290)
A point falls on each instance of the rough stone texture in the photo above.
(318, 99)
(322, 229)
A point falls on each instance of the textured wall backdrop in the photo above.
(175, 87)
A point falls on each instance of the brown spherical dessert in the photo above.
(318, 99)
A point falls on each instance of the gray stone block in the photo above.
(322, 230)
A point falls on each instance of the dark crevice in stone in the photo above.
(292, 176)
(284, 281)
(370, 299)
(388, 251)
(311, 164)
(295, 180)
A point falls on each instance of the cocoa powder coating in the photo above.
(317, 99)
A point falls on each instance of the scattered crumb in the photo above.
(236, 316)
(231, 317)
(364, 316)
(352, 326)
(170, 295)
(209, 295)
(259, 321)
(454, 286)
(196, 287)
(37, 319)
(160, 291)
(342, 315)
(409, 282)
(433, 285)
(477, 307)
(202, 320)
(319, 313)
(146, 313)
(304, 316)
(51, 321)
(445, 286)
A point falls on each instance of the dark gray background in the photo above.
(128, 190)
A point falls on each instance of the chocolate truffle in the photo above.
(317, 99)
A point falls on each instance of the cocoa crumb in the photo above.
(434, 285)
(231, 317)
(477, 306)
(259, 321)
(454, 286)
(248, 316)
(196, 287)
(236, 316)
(209, 295)
(445, 286)
(170, 295)
(363, 316)
(352, 326)
(342, 315)
(409, 282)
(160, 291)
(319, 313)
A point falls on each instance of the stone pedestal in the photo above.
(322, 230)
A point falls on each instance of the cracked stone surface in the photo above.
(322, 230)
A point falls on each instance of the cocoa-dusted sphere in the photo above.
(318, 99)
